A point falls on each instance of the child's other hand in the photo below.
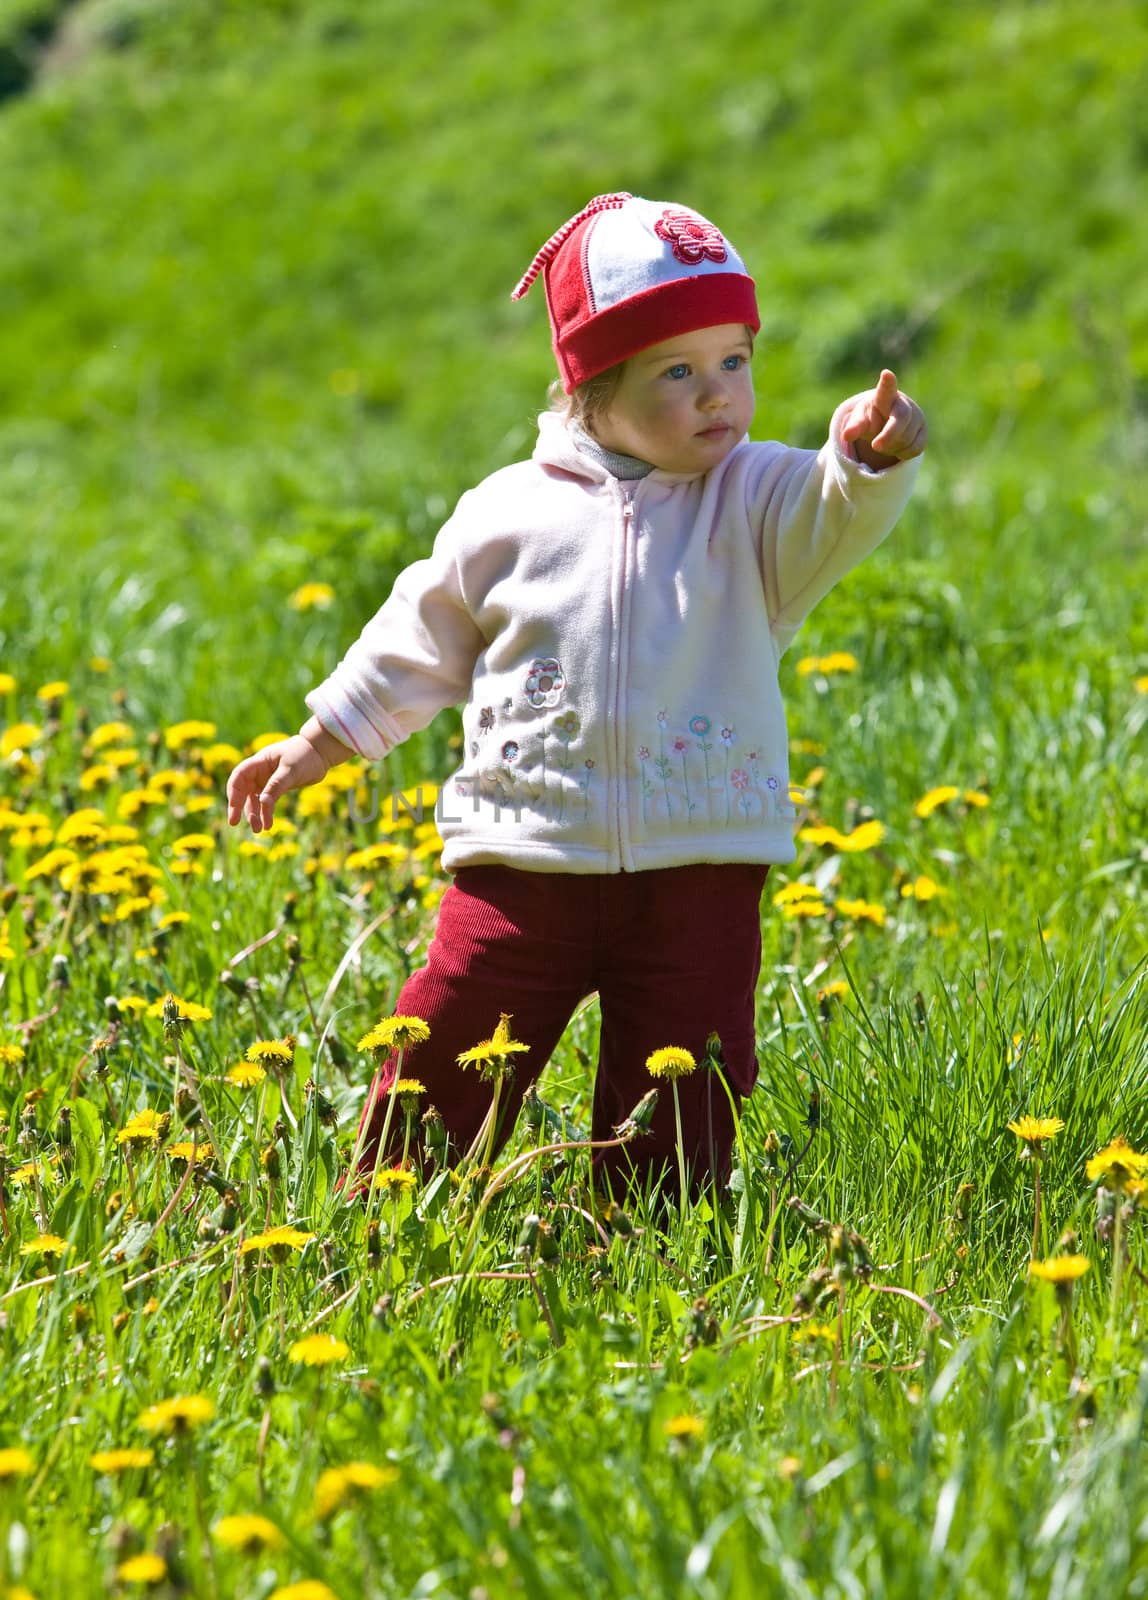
(885, 426)
(256, 784)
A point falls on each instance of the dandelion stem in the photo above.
(681, 1151)
(1117, 1254)
(391, 1097)
(1036, 1213)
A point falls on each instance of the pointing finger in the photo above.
(886, 392)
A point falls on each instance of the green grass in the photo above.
(254, 284)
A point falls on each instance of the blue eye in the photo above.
(732, 363)
(678, 371)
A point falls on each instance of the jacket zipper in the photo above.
(627, 527)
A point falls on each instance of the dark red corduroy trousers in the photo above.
(674, 955)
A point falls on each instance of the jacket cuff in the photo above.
(370, 734)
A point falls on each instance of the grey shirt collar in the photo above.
(618, 466)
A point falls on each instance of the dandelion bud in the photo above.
(187, 1106)
(382, 1309)
(813, 1116)
(713, 1050)
(293, 950)
(7, 894)
(28, 1137)
(374, 1246)
(640, 1118)
(533, 1112)
(337, 1051)
(270, 1161)
(702, 1327)
(290, 905)
(772, 1148)
(232, 980)
(59, 975)
(528, 1233)
(112, 1009)
(64, 1128)
(617, 1220)
(434, 1130)
(229, 1211)
(264, 1379)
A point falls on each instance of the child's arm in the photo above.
(822, 512)
(256, 784)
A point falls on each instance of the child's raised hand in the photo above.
(256, 784)
(884, 425)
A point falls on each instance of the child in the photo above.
(612, 612)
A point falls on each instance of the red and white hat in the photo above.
(626, 273)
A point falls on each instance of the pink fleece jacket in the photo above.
(616, 644)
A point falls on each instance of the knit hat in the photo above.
(626, 273)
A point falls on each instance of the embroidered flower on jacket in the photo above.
(679, 745)
(545, 682)
(739, 777)
(663, 719)
(727, 737)
(643, 752)
(566, 726)
(486, 719)
(700, 726)
(510, 750)
(771, 782)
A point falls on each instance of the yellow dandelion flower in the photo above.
(249, 1534)
(338, 1486)
(395, 1180)
(175, 919)
(1141, 684)
(262, 740)
(185, 733)
(1033, 1131)
(182, 1151)
(1117, 1164)
(804, 908)
(318, 1350)
(147, 1568)
(279, 1051)
(145, 1127)
(306, 1589)
(393, 1032)
(85, 826)
(812, 1332)
(789, 1467)
(11, 1055)
(51, 865)
(940, 796)
(492, 1056)
(177, 1416)
(190, 843)
(56, 690)
(8, 683)
(277, 1242)
(670, 1062)
(246, 1075)
(685, 1429)
(188, 1010)
(793, 892)
(283, 852)
(975, 797)
(837, 990)
(45, 1244)
(922, 888)
(219, 755)
(15, 1464)
(1059, 1269)
(861, 911)
(311, 597)
(863, 837)
(110, 733)
(18, 737)
(116, 1461)
(199, 802)
(836, 661)
(121, 759)
(407, 1089)
(92, 777)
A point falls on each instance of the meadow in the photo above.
(254, 287)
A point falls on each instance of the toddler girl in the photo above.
(612, 612)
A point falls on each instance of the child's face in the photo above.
(685, 403)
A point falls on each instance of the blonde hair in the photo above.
(589, 399)
(594, 397)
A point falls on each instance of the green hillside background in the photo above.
(254, 290)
